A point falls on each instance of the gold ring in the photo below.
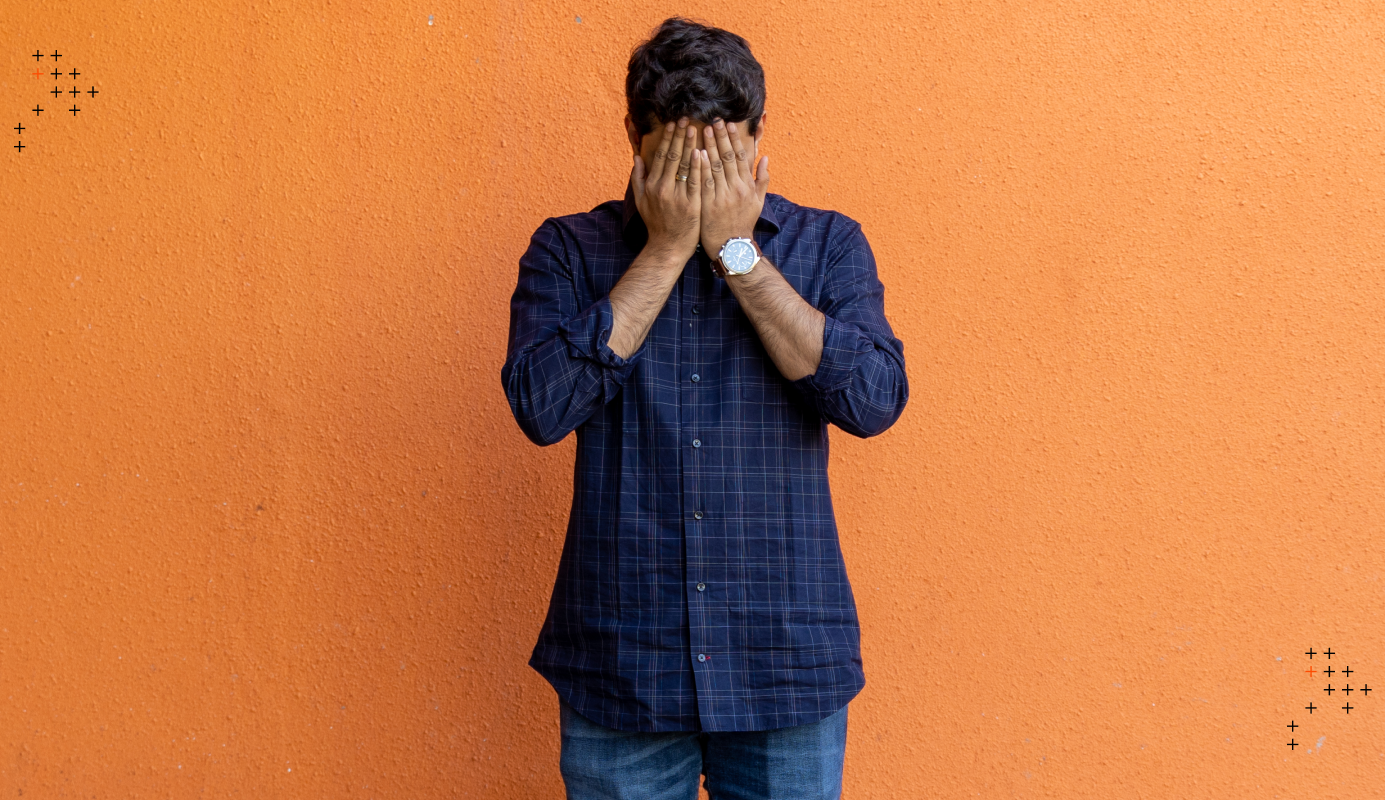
(681, 178)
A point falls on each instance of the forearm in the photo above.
(789, 328)
(639, 296)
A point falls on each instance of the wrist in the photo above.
(667, 253)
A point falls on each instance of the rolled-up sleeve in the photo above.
(860, 384)
(558, 367)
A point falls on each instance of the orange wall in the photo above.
(268, 529)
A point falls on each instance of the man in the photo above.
(699, 336)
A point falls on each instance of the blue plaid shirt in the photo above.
(701, 585)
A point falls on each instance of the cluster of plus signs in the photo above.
(57, 91)
(1365, 689)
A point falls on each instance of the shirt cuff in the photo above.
(842, 345)
(587, 335)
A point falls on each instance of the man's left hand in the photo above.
(732, 197)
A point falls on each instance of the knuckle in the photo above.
(740, 155)
(727, 155)
(709, 183)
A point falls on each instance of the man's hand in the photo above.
(790, 329)
(731, 196)
(670, 208)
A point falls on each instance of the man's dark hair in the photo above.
(686, 69)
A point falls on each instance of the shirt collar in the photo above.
(632, 226)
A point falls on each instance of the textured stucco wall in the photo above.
(267, 528)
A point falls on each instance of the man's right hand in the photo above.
(671, 207)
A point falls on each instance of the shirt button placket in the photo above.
(695, 417)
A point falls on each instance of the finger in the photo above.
(709, 184)
(733, 132)
(728, 155)
(656, 164)
(637, 175)
(676, 139)
(695, 173)
(714, 158)
(762, 177)
(688, 135)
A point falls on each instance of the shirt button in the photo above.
(696, 377)
(697, 515)
(697, 442)
(697, 309)
(701, 587)
(701, 657)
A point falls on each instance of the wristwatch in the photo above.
(737, 257)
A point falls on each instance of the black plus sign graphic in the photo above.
(1347, 671)
(57, 92)
(1309, 653)
(1348, 690)
(1347, 707)
(1292, 744)
(1291, 725)
(1309, 706)
(1328, 690)
(1328, 653)
(1365, 688)
(1328, 672)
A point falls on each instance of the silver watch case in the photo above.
(738, 256)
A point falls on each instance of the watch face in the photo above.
(739, 257)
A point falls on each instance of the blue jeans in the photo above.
(799, 763)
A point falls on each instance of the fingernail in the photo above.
(731, 126)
